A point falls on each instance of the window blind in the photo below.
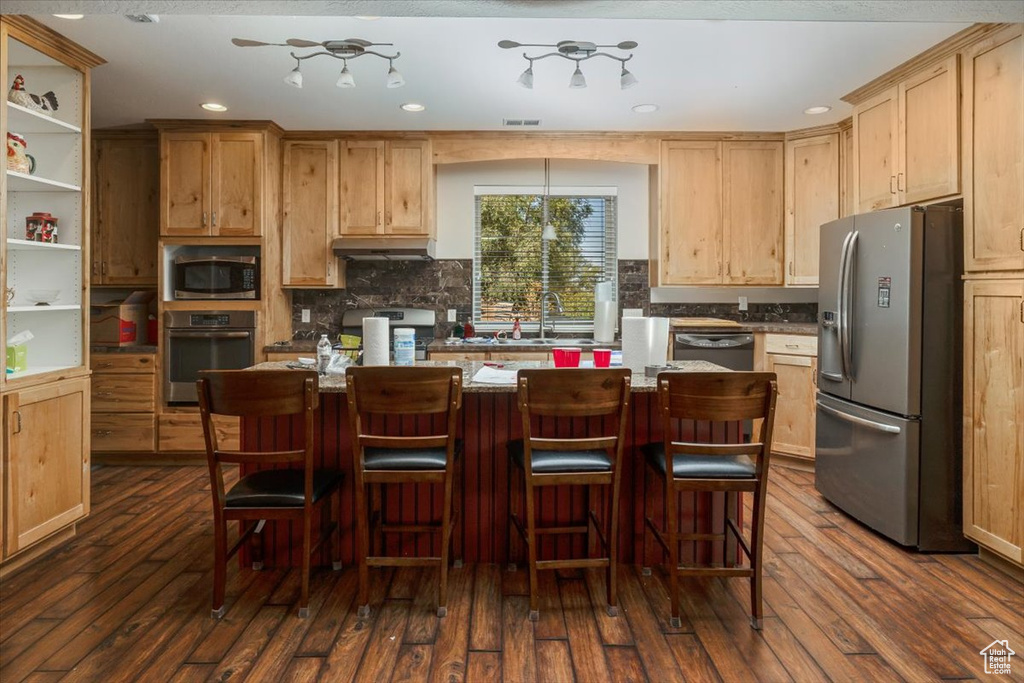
(513, 265)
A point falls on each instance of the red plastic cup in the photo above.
(602, 358)
(558, 354)
(572, 357)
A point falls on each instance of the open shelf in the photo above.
(31, 246)
(42, 309)
(38, 370)
(23, 120)
(23, 182)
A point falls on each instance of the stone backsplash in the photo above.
(446, 284)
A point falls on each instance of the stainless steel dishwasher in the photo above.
(733, 350)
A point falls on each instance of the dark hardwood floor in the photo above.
(129, 599)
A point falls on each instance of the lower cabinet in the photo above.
(46, 461)
(793, 358)
(123, 402)
(994, 415)
(183, 432)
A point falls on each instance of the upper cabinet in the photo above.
(387, 188)
(812, 198)
(310, 213)
(993, 143)
(905, 141)
(126, 213)
(846, 168)
(720, 213)
(211, 184)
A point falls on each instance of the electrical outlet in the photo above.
(451, 315)
(743, 303)
(305, 315)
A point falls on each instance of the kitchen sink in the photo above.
(548, 342)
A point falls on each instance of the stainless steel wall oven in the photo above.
(204, 340)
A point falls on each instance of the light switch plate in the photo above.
(451, 315)
(743, 303)
(305, 315)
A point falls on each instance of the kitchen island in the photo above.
(489, 420)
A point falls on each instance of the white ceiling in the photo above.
(704, 74)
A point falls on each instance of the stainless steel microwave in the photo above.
(217, 277)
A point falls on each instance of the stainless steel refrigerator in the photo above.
(888, 415)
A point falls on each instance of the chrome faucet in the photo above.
(544, 309)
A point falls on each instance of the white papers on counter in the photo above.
(376, 341)
(644, 342)
(489, 375)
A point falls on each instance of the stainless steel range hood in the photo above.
(384, 248)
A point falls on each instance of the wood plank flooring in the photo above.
(129, 599)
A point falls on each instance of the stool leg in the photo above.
(645, 561)
(457, 515)
(307, 549)
(446, 532)
(336, 536)
(672, 536)
(376, 520)
(220, 565)
(531, 547)
(613, 546)
(362, 548)
(591, 535)
(756, 542)
(514, 511)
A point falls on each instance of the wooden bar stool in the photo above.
(689, 466)
(288, 494)
(585, 461)
(381, 459)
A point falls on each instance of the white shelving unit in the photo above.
(55, 186)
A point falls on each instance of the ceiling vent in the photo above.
(520, 123)
(143, 18)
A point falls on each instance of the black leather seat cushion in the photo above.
(279, 488)
(408, 458)
(700, 466)
(552, 462)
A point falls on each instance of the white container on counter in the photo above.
(405, 346)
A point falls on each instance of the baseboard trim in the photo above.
(793, 462)
(1008, 567)
(150, 459)
(33, 552)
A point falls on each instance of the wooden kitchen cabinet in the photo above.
(846, 207)
(993, 143)
(812, 198)
(126, 209)
(720, 208)
(46, 461)
(124, 402)
(310, 214)
(793, 358)
(387, 188)
(993, 406)
(211, 184)
(182, 431)
(906, 140)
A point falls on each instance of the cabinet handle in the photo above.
(96, 266)
(104, 365)
(204, 219)
(1022, 310)
(102, 432)
(792, 346)
(892, 184)
(899, 182)
(214, 219)
(728, 267)
(719, 268)
(1022, 239)
(104, 268)
(378, 218)
(328, 268)
(102, 393)
(791, 268)
(17, 417)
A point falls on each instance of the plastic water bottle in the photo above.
(405, 346)
(323, 354)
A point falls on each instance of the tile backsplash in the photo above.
(445, 284)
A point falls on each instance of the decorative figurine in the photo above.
(18, 159)
(44, 104)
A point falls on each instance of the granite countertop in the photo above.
(295, 346)
(145, 348)
(482, 347)
(335, 384)
(748, 326)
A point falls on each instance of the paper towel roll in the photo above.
(636, 344)
(604, 321)
(602, 291)
(375, 341)
(659, 341)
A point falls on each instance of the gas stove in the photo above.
(420, 319)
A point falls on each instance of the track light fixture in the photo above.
(575, 51)
(349, 48)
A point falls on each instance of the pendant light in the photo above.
(549, 234)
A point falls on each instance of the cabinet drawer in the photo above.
(184, 432)
(123, 393)
(116, 432)
(791, 344)
(123, 362)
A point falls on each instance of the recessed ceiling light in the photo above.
(213, 106)
(69, 16)
(413, 106)
(645, 108)
(817, 110)
(368, 17)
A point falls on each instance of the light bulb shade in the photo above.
(395, 79)
(626, 79)
(577, 80)
(345, 79)
(549, 233)
(294, 78)
(526, 78)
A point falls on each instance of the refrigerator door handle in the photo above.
(839, 305)
(845, 332)
(870, 424)
(834, 376)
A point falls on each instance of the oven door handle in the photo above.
(207, 335)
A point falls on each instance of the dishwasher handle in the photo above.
(714, 341)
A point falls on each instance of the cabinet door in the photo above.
(846, 171)
(994, 152)
(812, 198)
(752, 200)
(127, 211)
(185, 184)
(362, 188)
(47, 450)
(310, 205)
(237, 184)
(993, 406)
(929, 105)
(408, 188)
(793, 432)
(875, 155)
(691, 213)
